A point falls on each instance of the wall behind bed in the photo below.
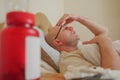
(53, 9)
(105, 12)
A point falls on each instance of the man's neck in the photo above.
(69, 48)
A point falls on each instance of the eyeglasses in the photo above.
(59, 31)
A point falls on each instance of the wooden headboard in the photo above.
(1, 25)
(43, 22)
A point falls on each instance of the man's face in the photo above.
(66, 34)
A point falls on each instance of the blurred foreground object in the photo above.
(19, 44)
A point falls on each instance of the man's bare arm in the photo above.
(92, 26)
(109, 56)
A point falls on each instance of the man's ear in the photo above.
(57, 42)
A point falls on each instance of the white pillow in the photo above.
(53, 53)
(117, 45)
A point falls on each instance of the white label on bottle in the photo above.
(32, 63)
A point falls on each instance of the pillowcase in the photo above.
(42, 25)
(117, 45)
(53, 53)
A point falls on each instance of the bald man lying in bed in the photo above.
(64, 39)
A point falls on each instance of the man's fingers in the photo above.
(66, 19)
(87, 42)
(62, 20)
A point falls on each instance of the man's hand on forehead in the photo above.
(66, 19)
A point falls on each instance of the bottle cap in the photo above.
(20, 18)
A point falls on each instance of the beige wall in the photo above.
(53, 9)
(2, 11)
(105, 12)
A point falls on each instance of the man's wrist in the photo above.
(79, 19)
(104, 39)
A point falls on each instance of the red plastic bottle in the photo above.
(20, 48)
